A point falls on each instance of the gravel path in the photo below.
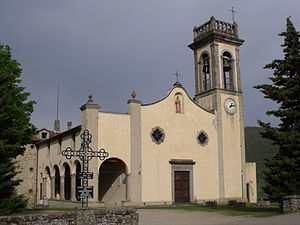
(182, 217)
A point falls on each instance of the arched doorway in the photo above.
(112, 181)
(57, 183)
(67, 182)
(78, 181)
(47, 187)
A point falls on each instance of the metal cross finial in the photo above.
(85, 153)
(177, 75)
(233, 12)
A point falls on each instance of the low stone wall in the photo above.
(291, 203)
(114, 216)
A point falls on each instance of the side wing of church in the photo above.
(175, 150)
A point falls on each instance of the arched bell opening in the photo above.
(227, 71)
(56, 182)
(113, 181)
(206, 79)
(67, 181)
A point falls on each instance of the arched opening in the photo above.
(113, 181)
(47, 187)
(57, 183)
(67, 182)
(77, 181)
(227, 70)
(206, 72)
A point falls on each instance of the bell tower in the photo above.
(218, 89)
(216, 55)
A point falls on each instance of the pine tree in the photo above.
(15, 129)
(283, 174)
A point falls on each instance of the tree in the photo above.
(15, 129)
(283, 170)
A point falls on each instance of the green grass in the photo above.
(249, 210)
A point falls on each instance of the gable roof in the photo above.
(178, 85)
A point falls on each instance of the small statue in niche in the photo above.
(178, 105)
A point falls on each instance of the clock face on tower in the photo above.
(230, 106)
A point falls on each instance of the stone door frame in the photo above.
(182, 165)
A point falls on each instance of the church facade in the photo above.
(174, 150)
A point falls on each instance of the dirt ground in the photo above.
(182, 217)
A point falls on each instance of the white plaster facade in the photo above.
(179, 167)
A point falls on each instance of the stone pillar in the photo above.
(238, 71)
(219, 122)
(44, 188)
(52, 187)
(73, 187)
(62, 188)
(215, 69)
(89, 121)
(135, 180)
(197, 69)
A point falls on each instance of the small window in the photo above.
(44, 135)
(59, 146)
(32, 146)
(73, 141)
(202, 138)
(157, 135)
(31, 168)
(48, 148)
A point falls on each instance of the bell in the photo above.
(205, 62)
(205, 66)
(226, 64)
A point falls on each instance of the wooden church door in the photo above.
(182, 186)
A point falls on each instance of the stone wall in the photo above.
(291, 203)
(26, 164)
(112, 216)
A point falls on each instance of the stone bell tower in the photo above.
(217, 61)
(218, 88)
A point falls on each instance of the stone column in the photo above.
(215, 70)
(197, 78)
(44, 188)
(62, 188)
(90, 121)
(52, 187)
(73, 187)
(127, 188)
(135, 180)
(238, 71)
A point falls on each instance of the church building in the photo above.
(175, 150)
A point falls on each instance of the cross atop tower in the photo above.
(233, 12)
(177, 75)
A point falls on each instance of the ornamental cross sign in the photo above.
(85, 154)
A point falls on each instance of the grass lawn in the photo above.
(249, 210)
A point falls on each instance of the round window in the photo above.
(157, 135)
(202, 138)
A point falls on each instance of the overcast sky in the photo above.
(108, 48)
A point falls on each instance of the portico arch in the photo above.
(67, 182)
(47, 185)
(56, 182)
(112, 181)
(77, 181)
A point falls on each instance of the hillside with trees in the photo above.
(257, 150)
